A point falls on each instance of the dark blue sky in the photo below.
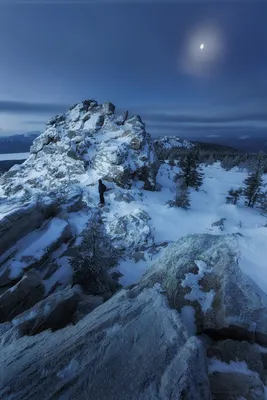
(142, 56)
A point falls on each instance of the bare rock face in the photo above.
(156, 358)
(202, 271)
(27, 292)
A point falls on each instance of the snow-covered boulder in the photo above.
(229, 351)
(34, 249)
(131, 347)
(17, 219)
(130, 231)
(202, 271)
(88, 142)
(167, 146)
(27, 292)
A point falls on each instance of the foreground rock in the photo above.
(24, 295)
(54, 312)
(236, 386)
(33, 250)
(202, 271)
(236, 371)
(21, 219)
(132, 347)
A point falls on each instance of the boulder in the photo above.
(131, 230)
(202, 271)
(27, 292)
(19, 220)
(54, 312)
(236, 386)
(156, 358)
(35, 249)
(232, 350)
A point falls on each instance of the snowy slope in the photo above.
(207, 206)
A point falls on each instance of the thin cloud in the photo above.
(186, 117)
(244, 137)
(21, 107)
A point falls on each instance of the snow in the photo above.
(188, 318)
(233, 367)
(34, 246)
(207, 206)
(14, 156)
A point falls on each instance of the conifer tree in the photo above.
(253, 183)
(190, 169)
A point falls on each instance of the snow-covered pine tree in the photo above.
(253, 183)
(190, 169)
(234, 195)
(94, 256)
(181, 195)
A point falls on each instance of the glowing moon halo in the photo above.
(202, 46)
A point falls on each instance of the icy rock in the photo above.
(233, 350)
(54, 312)
(202, 271)
(156, 358)
(108, 108)
(131, 230)
(27, 292)
(20, 219)
(121, 118)
(38, 247)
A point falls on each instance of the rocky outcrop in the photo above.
(21, 219)
(202, 271)
(235, 386)
(170, 147)
(54, 312)
(89, 141)
(27, 292)
(35, 249)
(82, 359)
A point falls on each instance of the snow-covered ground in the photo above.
(207, 206)
(14, 156)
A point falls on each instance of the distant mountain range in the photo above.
(19, 143)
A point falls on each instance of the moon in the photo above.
(202, 46)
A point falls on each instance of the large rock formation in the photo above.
(202, 271)
(88, 142)
(132, 347)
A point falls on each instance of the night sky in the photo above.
(141, 56)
